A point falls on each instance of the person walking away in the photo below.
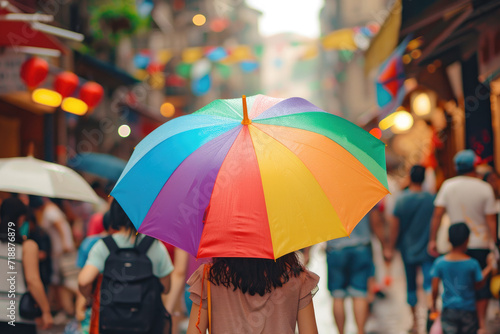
(42, 239)
(135, 272)
(82, 312)
(54, 222)
(350, 268)
(460, 275)
(466, 198)
(492, 178)
(410, 234)
(25, 259)
(251, 295)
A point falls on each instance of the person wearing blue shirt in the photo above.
(410, 234)
(460, 275)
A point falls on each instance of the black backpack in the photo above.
(130, 293)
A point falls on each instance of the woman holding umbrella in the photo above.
(250, 295)
(247, 185)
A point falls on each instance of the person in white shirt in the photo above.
(466, 198)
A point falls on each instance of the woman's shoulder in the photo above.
(306, 280)
(307, 275)
(196, 276)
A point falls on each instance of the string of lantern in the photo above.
(34, 72)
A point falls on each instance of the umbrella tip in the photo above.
(245, 120)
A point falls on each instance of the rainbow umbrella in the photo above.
(226, 182)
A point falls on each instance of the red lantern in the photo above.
(91, 93)
(34, 71)
(65, 83)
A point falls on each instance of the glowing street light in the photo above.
(403, 121)
(421, 104)
(399, 121)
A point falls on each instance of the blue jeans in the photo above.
(411, 279)
(349, 269)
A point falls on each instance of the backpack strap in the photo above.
(145, 244)
(111, 244)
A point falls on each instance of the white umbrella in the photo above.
(27, 175)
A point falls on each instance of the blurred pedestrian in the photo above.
(410, 234)
(492, 178)
(32, 230)
(23, 259)
(351, 268)
(53, 220)
(460, 275)
(250, 295)
(466, 198)
(131, 255)
(82, 312)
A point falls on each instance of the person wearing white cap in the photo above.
(466, 198)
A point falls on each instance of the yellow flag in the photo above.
(342, 39)
(164, 56)
(386, 40)
(191, 55)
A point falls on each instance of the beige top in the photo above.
(237, 312)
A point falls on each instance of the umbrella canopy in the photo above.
(103, 165)
(288, 176)
(28, 175)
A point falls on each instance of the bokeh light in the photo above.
(406, 59)
(199, 19)
(415, 54)
(167, 109)
(219, 24)
(74, 106)
(47, 97)
(124, 131)
(403, 121)
(421, 104)
(387, 122)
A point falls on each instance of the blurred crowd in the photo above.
(63, 247)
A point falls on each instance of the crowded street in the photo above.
(249, 166)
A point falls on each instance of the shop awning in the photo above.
(28, 32)
(450, 28)
(23, 100)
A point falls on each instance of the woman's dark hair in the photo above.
(119, 218)
(11, 209)
(255, 276)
